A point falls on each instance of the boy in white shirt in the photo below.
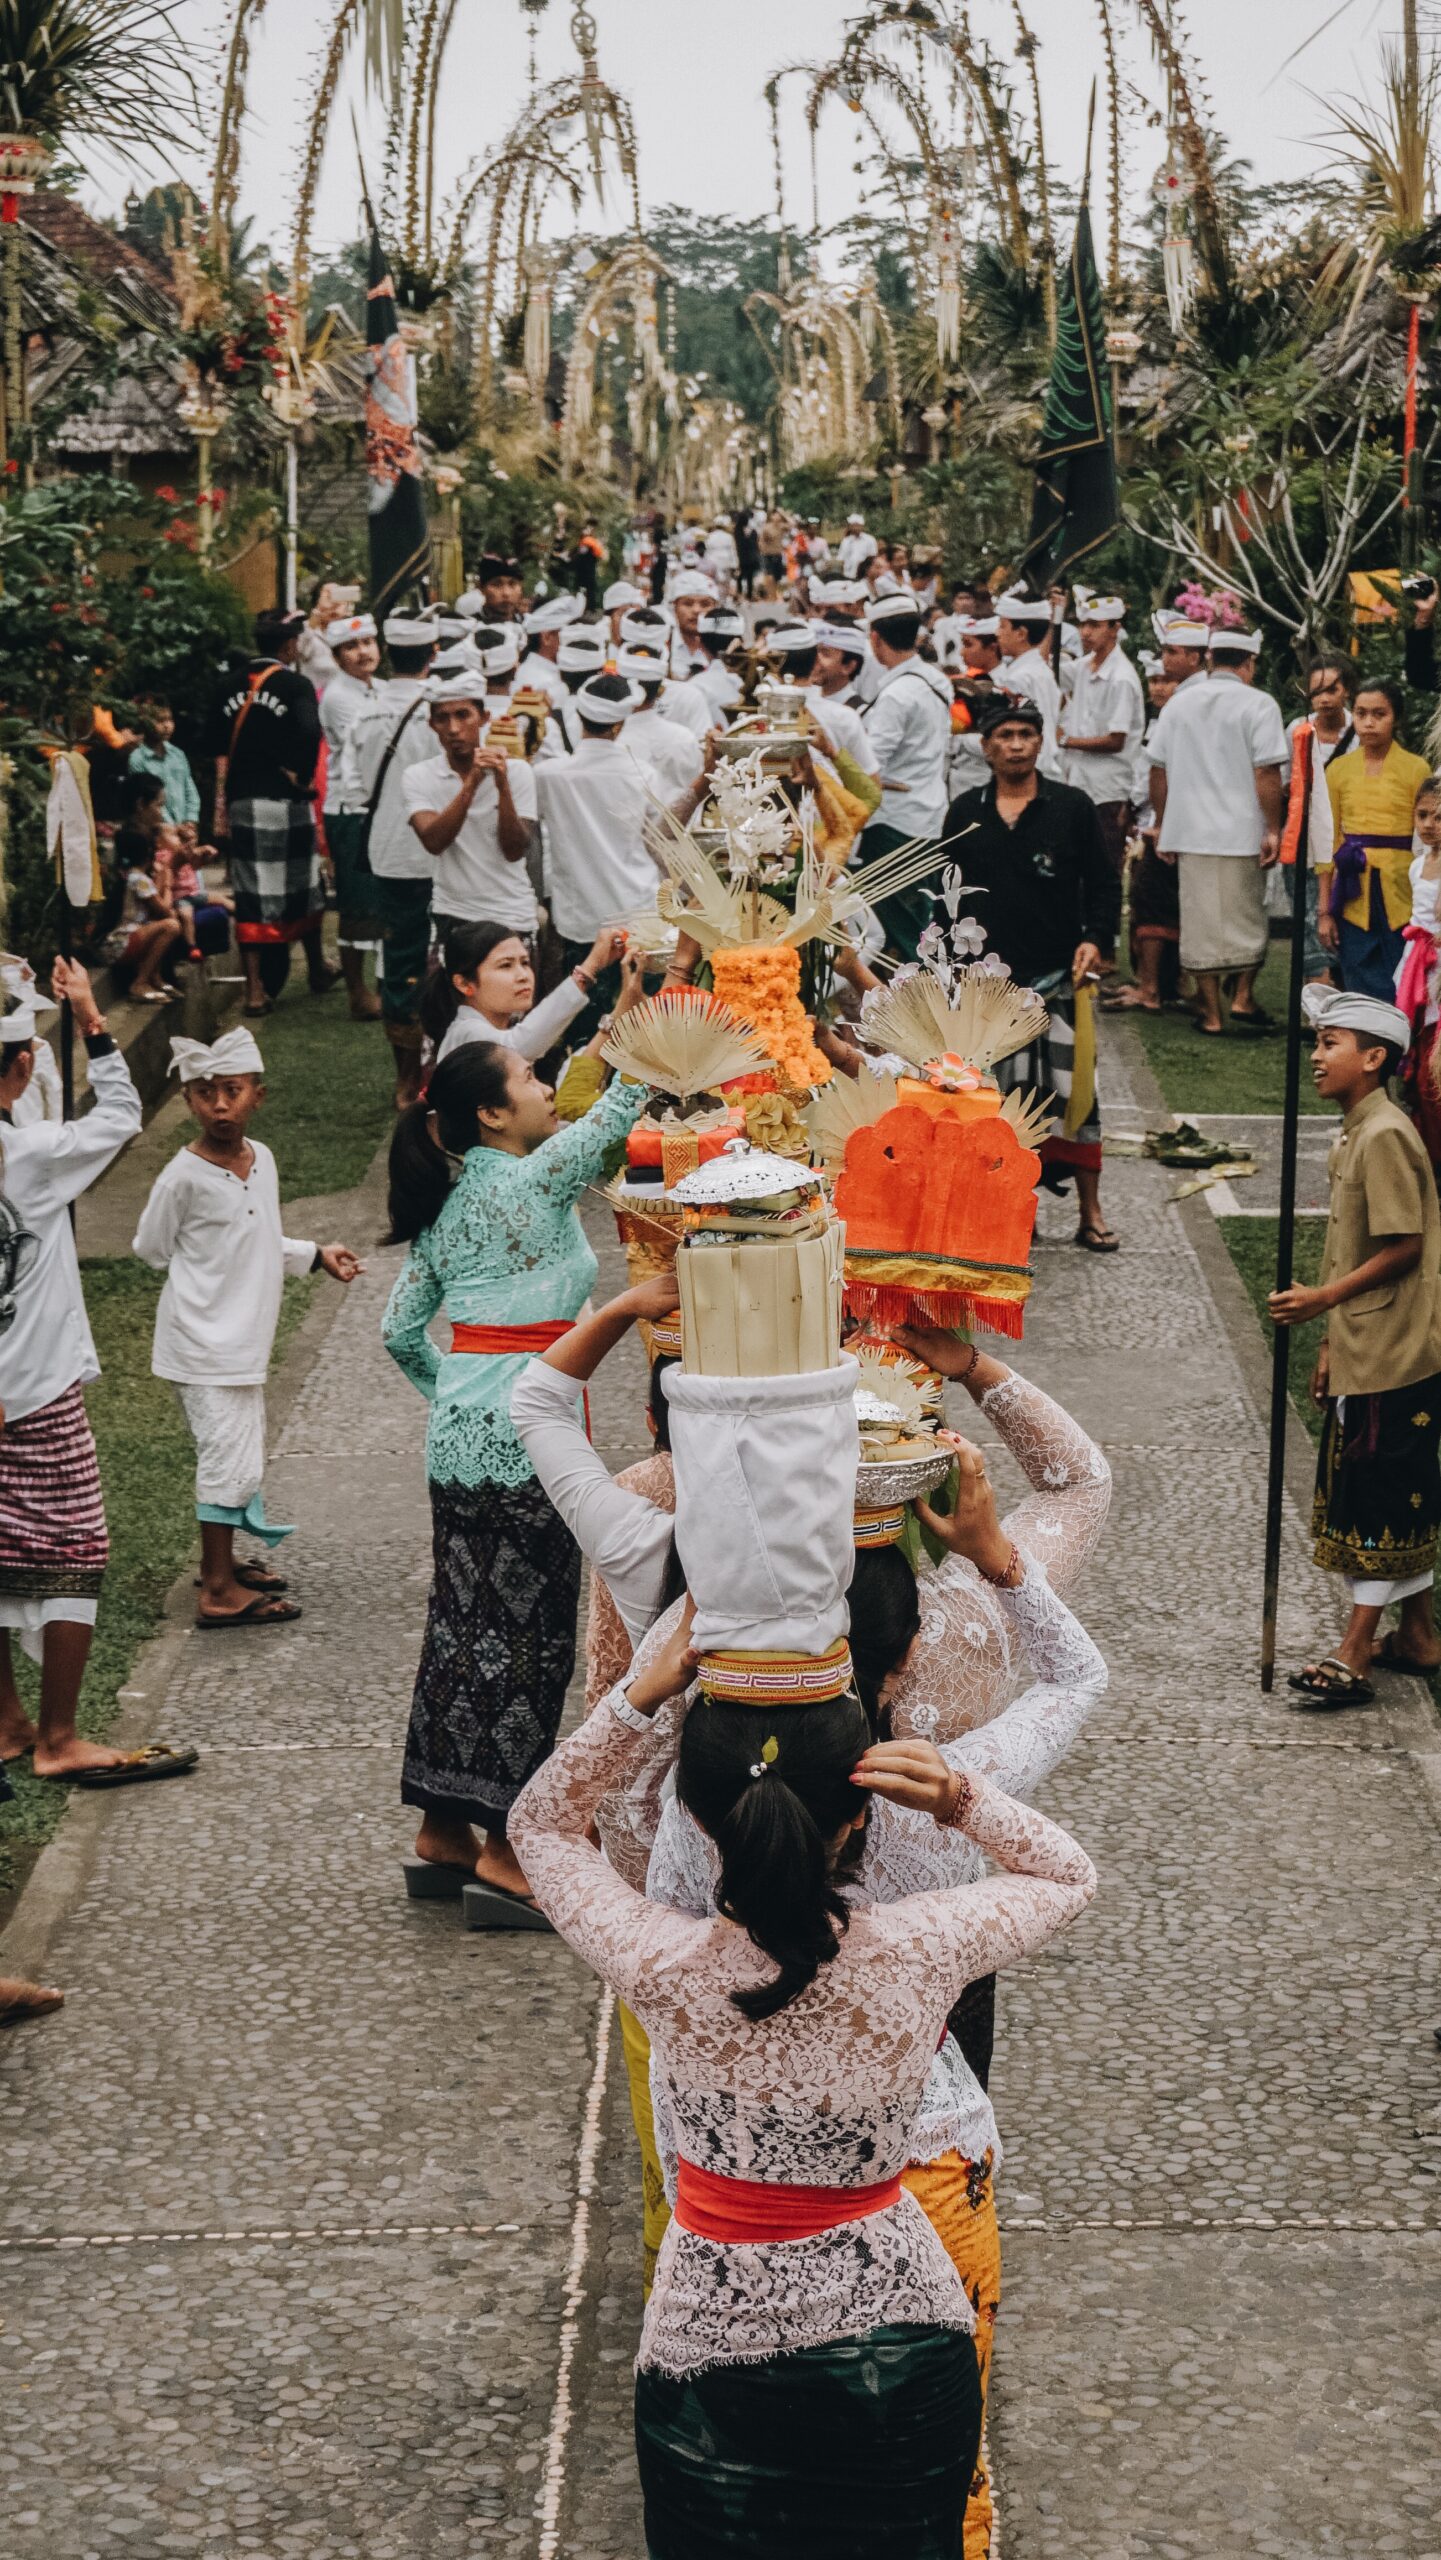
(212, 1225)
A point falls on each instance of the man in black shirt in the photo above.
(265, 736)
(1050, 909)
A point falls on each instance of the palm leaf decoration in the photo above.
(108, 71)
(1030, 1115)
(841, 1107)
(984, 1018)
(684, 1045)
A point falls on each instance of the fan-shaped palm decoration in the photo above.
(986, 1017)
(844, 1105)
(684, 1044)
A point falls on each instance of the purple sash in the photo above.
(1349, 865)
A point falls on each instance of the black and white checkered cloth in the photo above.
(274, 869)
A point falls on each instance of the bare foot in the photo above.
(22, 2000)
(499, 1865)
(447, 1844)
(17, 1733)
(60, 1760)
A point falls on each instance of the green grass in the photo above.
(329, 1083)
(1251, 1243)
(1227, 1074)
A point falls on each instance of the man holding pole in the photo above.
(1378, 1487)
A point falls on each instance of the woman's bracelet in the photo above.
(1012, 1573)
(583, 979)
(963, 1374)
(963, 1797)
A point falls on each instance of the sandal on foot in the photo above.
(436, 1879)
(137, 1769)
(1333, 1684)
(1093, 1239)
(1208, 1030)
(265, 1610)
(254, 1011)
(30, 2000)
(255, 1577)
(1387, 1657)
(494, 1906)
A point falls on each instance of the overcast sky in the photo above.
(694, 71)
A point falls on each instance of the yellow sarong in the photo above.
(656, 2212)
(958, 2200)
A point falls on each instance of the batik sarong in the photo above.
(1377, 1507)
(53, 1539)
(958, 2199)
(499, 1649)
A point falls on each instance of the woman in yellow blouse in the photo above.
(1366, 890)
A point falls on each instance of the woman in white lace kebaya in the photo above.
(503, 1252)
(807, 2379)
(944, 1669)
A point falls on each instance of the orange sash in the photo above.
(745, 2209)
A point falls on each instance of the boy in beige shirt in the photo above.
(1378, 1483)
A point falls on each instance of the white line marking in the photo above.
(552, 2486)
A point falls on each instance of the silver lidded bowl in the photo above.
(882, 1482)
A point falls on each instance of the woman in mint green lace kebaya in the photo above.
(502, 1250)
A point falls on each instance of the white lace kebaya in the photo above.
(825, 2094)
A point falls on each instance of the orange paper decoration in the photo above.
(939, 1214)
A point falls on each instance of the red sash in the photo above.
(744, 2209)
(503, 1339)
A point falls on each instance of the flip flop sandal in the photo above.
(1388, 1659)
(137, 1769)
(1249, 1026)
(1096, 1240)
(254, 1577)
(263, 1611)
(41, 2003)
(1208, 1030)
(493, 1906)
(1332, 1684)
(435, 1879)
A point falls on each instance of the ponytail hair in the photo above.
(431, 1133)
(885, 1612)
(774, 1831)
(463, 954)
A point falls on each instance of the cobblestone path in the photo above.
(292, 2259)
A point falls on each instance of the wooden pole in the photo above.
(1286, 1235)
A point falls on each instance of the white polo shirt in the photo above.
(593, 808)
(909, 727)
(341, 704)
(689, 707)
(844, 727)
(1105, 701)
(474, 882)
(673, 751)
(395, 850)
(1209, 740)
(1032, 678)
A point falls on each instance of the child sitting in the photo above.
(1378, 1484)
(212, 1225)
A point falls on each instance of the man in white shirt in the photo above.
(844, 600)
(1103, 723)
(620, 598)
(909, 726)
(797, 646)
(1023, 628)
(1218, 757)
(673, 752)
(473, 811)
(582, 654)
(538, 671)
(594, 806)
(715, 631)
(969, 653)
(688, 595)
(498, 652)
(721, 556)
(356, 651)
(857, 547)
(390, 734)
(841, 652)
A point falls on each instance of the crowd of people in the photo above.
(793, 1909)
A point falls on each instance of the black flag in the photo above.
(1075, 508)
(399, 540)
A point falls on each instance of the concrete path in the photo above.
(296, 2258)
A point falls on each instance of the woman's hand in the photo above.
(607, 948)
(669, 1672)
(972, 1528)
(632, 980)
(650, 1299)
(910, 1773)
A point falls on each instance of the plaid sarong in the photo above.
(274, 869)
(53, 1539)
(1047, 1067)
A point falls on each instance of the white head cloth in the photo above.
(504, 657)
(643, 666)
(20, 1025)
(348, 627)
(765, 1482)
(463, 659)
(599, 707)
(407, 631)
(792, 638)
(691, 582)
(1331, 1009)
(646, 635)
(723, 623)
(620, 593)
(1175, 631)
(471, 603)
(839, 591)
(1236, 644)
(554, 615)
(841, 635)
(235, 1053)
(583, 651)
(1014, 608)
(17, 978)
(900, 607)
(1091, 608)
(467, 684)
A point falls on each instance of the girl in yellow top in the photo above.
(1366, 889)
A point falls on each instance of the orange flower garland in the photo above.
(761, 982)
